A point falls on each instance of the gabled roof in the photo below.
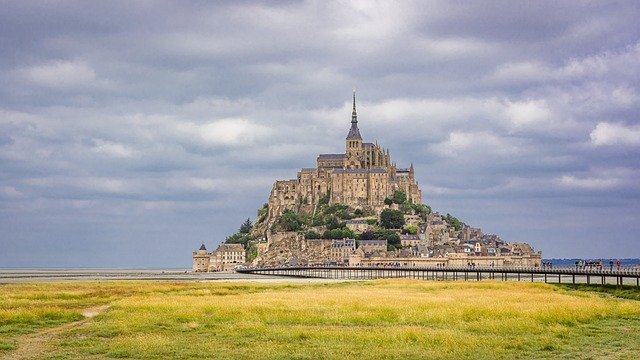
(230, 247)
(203, 248)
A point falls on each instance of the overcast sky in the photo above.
(131, 132)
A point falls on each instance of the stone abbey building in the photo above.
(361, 177)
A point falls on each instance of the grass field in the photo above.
(385, 319)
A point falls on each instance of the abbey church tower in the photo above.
(354, 141)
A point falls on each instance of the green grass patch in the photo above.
(385, 319)
(622, 292)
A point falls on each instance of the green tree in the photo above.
(246, 226)
(399, 197)
(411, 229)
(238, 238)
(334, 223)
(406, 208)
(340, 233)
(453, 221)
(324, 200)
(290, 221)
(388, 201)
(422, 210)
(252, 252)
(312, 235)
(394, 240)
(317, 220)
(262, 213)
(391, 219)
(367, 235)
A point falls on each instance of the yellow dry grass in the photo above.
(386, 319)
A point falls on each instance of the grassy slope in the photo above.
(390, 319)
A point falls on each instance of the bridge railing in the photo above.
(582, 275)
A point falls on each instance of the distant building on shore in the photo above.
(226, 257)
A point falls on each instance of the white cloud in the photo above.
(607, 133)
(111, 149)
(231, 132)
(204, 183)
(474, 144)
(103, 184)
(522, 71)
(10, 192)
(591, 183)
(530, 113)
(60, 74)
(372, 22)
(602, 178)
(600, 65)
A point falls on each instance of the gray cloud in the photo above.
(131, 131)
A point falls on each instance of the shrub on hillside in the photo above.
(391, 219)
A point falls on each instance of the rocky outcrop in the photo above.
(292, 248)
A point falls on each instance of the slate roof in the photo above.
(331, 156)
(203, 248)
(354, 133)
(373, 242)
(230, 247)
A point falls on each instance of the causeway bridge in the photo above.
(624, 276)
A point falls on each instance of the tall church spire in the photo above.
(354, 133)
(354, 114)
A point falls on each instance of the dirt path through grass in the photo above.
(34, 346)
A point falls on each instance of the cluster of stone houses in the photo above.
(436, 243)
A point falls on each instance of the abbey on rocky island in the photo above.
(357, 208)
(362, 177)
